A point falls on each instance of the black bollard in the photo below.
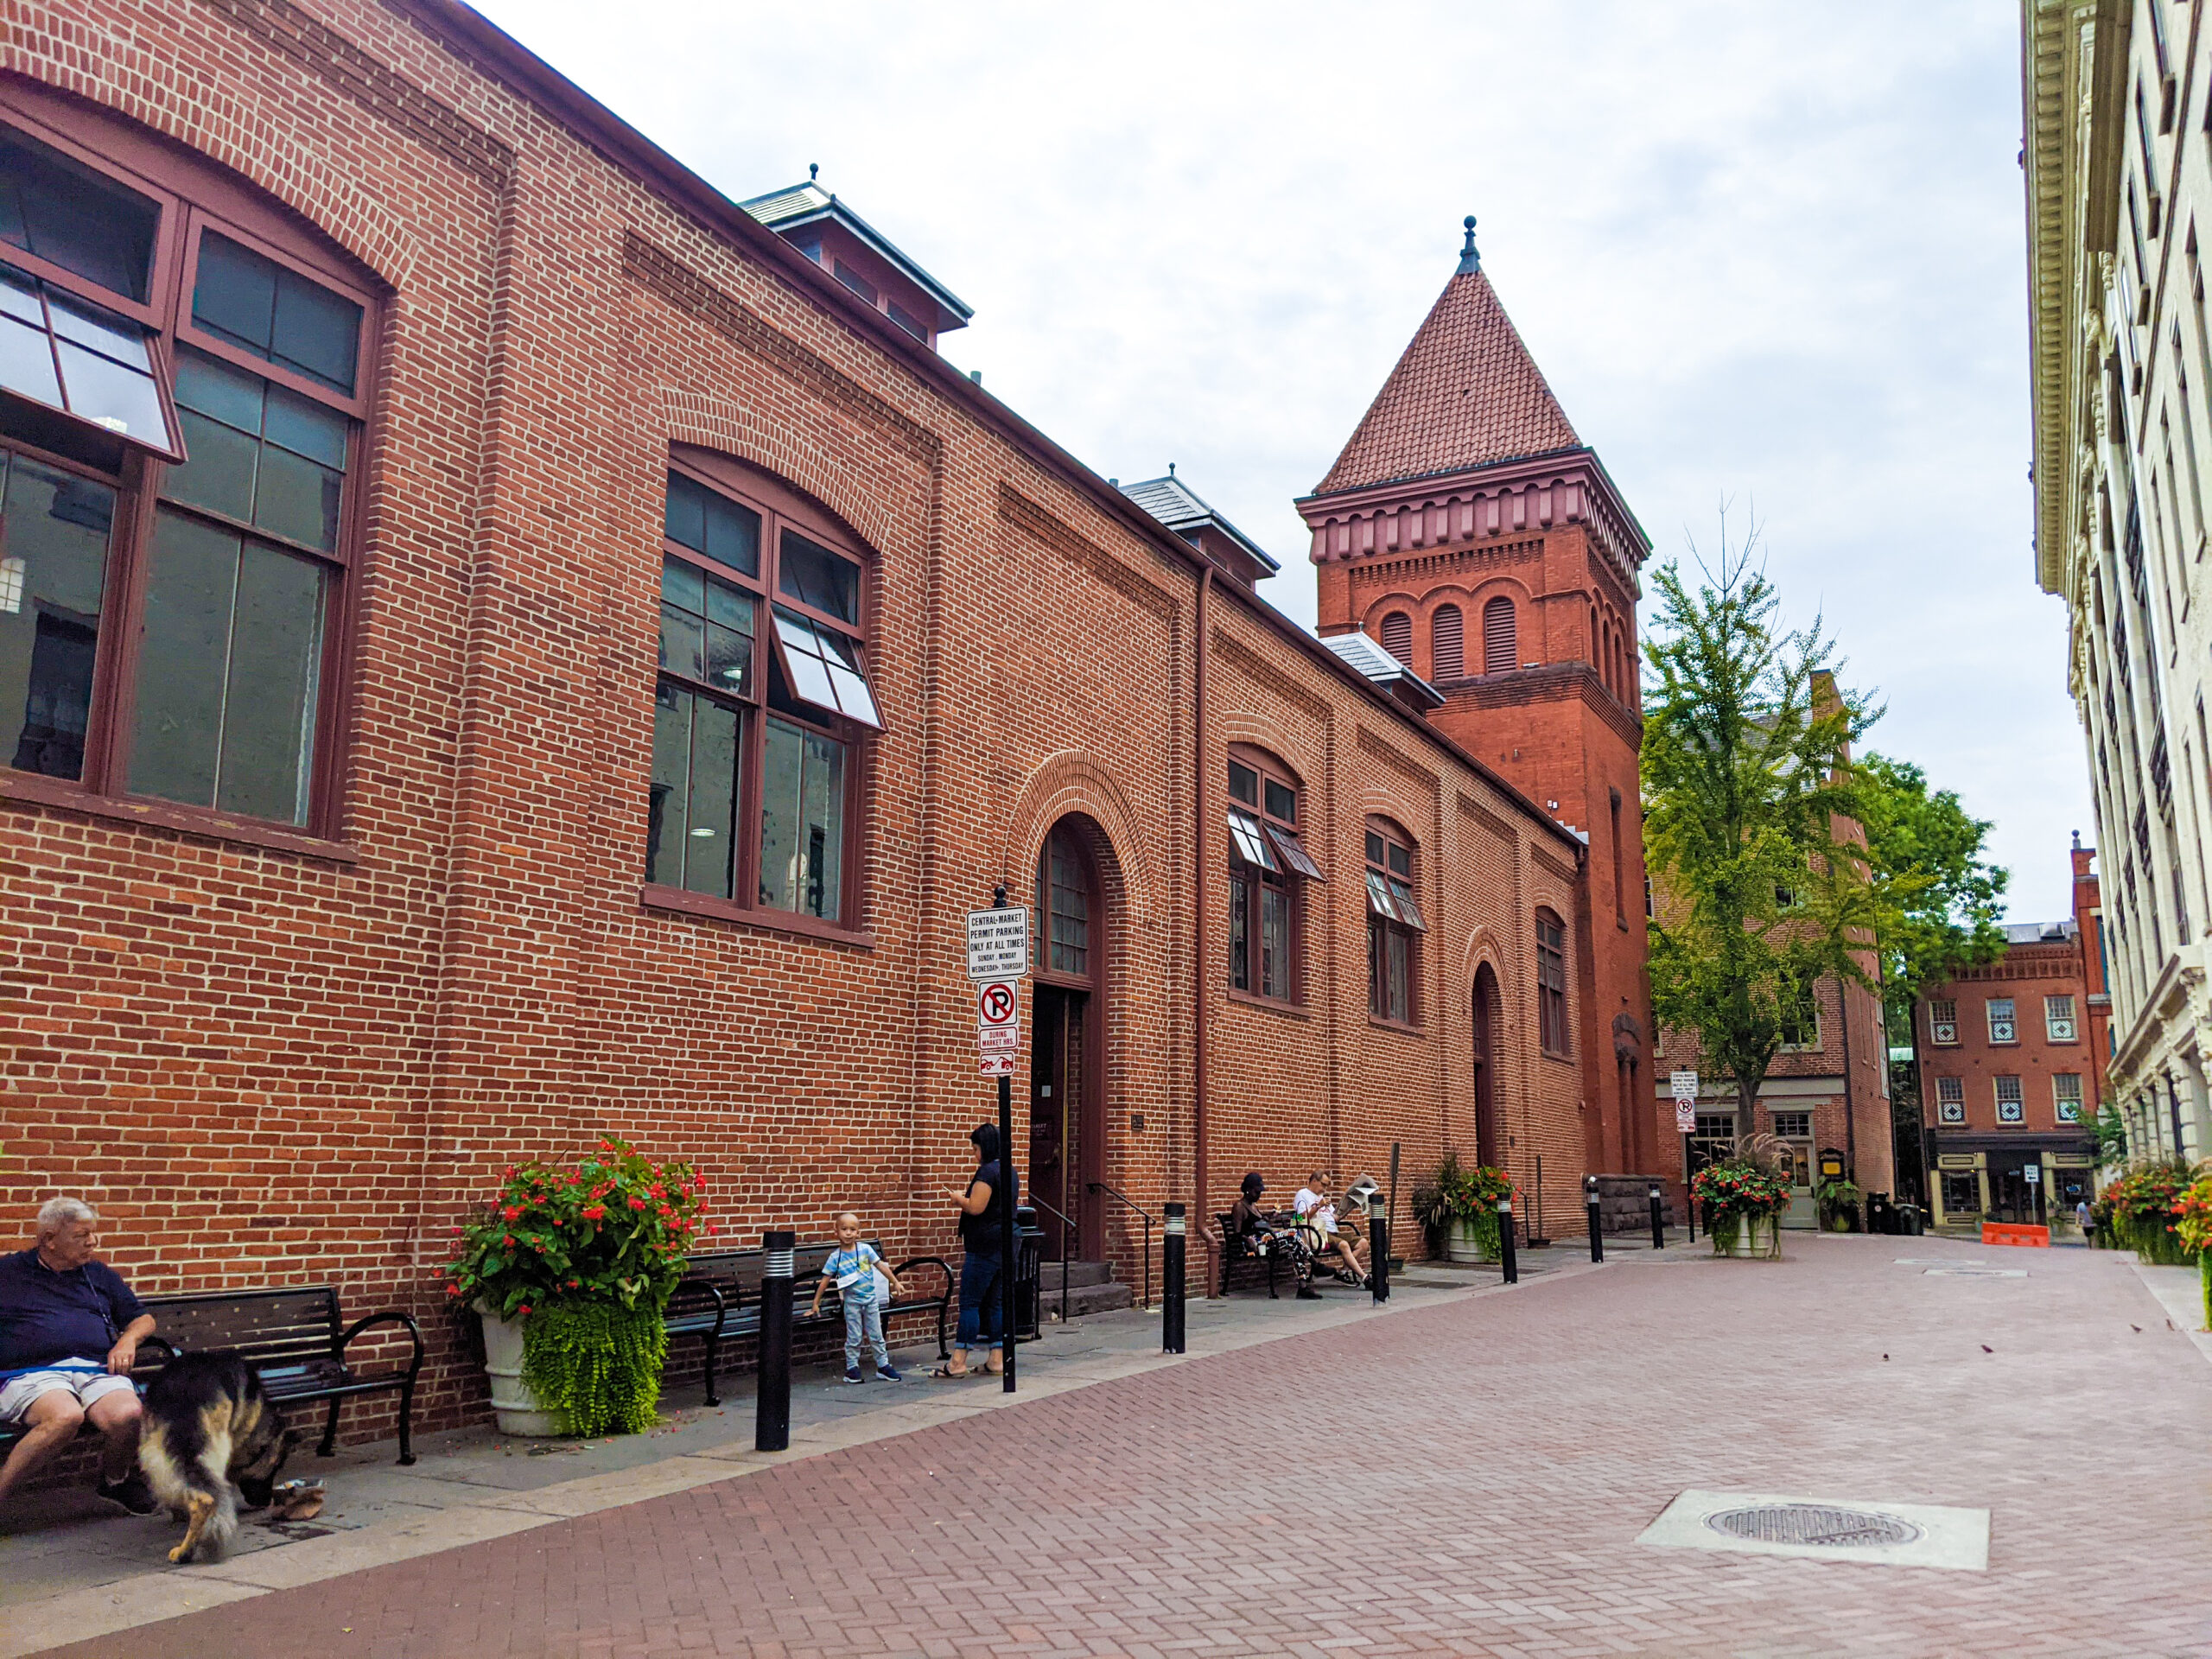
(771, 1430)
(1658, 1221)
(1597, 1226)
(1378, 1247)
(1170, 1272)
(1505, 1255)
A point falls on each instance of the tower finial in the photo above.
(813, 171)
(1470, 261)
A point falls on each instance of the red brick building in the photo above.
(505, 647)
(2013, 1058)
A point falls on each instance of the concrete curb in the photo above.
(2181, 1293)
(103, 1610)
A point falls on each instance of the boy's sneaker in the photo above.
(131, 1492)
(853, 1374)
(889, 1374)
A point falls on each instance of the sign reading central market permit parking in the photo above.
(998, 943)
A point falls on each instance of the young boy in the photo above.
(852, 1267)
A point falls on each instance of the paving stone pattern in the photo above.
(1467, 1479)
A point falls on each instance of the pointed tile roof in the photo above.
(1465, 393)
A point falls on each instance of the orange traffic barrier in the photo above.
(2012, 1232)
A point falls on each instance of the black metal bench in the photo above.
(1237, 1252)
(295, 1340)
(720, 1297)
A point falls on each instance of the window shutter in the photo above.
(1398, 637)
(1500, 648)
(1447, 645)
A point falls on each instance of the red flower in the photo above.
(453, 1290)
(524, 1308)
(508, 1242)
(577, 1284)
(665, 1210)
(660, 1191)
(608, 1146)
(512, 1212)
(594, 1211)
(510, 1171)
(639, 1203)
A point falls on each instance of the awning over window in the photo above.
(1393, 901)
(1250, 841)
(1294, 854)
(61, 352)
(824, 669)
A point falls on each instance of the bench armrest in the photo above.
(937, 1261)
(390, 1316)
(703, 1287)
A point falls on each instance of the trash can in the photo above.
(1881, 1216)
(1028, 1255)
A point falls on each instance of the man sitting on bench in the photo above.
(1265, 1234)
(1331, 1246)
(69, 1334)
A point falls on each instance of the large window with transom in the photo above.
(1268, 867)
(762, 700)
(184, 384)
(1393, 924)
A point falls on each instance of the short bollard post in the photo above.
(1506, 1257)
(1171, 1246)
(771, 1430)
(1378, 1247)
(1658, 1220)
(1597, 1227)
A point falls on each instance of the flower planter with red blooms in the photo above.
(570, 1270)
(1743, 1200)
(2192, 1226)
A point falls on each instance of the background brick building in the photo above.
(637, 651)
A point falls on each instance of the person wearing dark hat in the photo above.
(993, 1189)
(1268, 1234)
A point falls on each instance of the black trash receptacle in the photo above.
(1029, 1250)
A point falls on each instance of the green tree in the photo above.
(1937, 897)
(1746, 774)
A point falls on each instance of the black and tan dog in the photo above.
(211, 1440)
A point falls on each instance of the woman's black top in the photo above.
(983, 1234)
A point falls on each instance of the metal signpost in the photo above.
(998, 961)
(1685, 1088)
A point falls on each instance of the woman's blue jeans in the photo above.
(980, 1324)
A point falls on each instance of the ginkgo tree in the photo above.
(1751, 798)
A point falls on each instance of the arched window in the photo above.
(1269, 868)
(145, 319)
(1393, 924)
(1500, 646)
(1448, 643)
(761, 696)
(1398, 637)
(1551, 982)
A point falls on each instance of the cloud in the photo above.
(1770, 252)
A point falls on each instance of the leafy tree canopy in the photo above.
(1937, 897)
(1747, 770)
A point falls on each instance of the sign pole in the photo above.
(1006, 1242)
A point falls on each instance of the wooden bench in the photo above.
(1237, 1252)
(293, 1339)
(720, 1297)
(297, 1340)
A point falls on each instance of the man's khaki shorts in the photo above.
(17, 1397)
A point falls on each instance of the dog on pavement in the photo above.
(212, 1442)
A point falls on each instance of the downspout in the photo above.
(1843, 988)
(1198, 1005)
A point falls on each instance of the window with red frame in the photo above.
(761, 698)
(1551, 982)
(183, 394)
(1268, 867)
(1393, 924)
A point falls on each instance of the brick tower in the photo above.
(1468, 530)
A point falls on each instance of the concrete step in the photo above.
(1082, 1298)
(1080, 1272)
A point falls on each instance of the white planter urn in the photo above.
(1754, 1236)
(513, 1405)
(1459, 1243)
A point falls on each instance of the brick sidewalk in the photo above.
(1481, 1468)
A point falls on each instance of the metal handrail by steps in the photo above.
(1067, 1234)
(1100, 1187)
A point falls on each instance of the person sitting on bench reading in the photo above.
(1266, 1234)
(1331, 1245)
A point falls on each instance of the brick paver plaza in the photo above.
(1469, 1478)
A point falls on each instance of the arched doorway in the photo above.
(1488, 1018)
(1067, 1093)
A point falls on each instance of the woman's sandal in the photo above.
(947, 1374)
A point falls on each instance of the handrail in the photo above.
(1100, 1187)
(1067, 1233)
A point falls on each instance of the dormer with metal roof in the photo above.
(822, 227)
(1177, 506)
(1368, 656)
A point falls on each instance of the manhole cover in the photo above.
(1812, 1523)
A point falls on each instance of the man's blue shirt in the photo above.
(46, 1316)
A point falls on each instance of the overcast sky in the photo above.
(1773, 253)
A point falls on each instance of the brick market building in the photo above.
(505, 647)
(2013, 1070)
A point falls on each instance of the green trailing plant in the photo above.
(599, 1362)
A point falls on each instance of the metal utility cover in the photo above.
(1828, 1529)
